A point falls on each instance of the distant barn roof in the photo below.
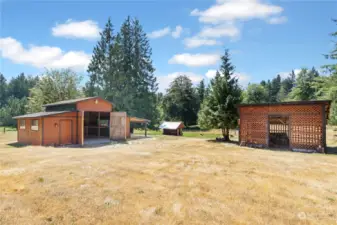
(312, 102)
(39, 114)
(71, 101)
(171, 125)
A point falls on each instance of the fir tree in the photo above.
(100, 67)
(201, 91)
(219, 108)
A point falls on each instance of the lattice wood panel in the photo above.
(305, 121)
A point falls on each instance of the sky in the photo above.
(265, 38)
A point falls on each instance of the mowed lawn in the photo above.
(165, 180)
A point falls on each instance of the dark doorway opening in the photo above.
(279, 131)
(96, 125)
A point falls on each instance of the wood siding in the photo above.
(91, 106)
(28, 136)
(56, 132)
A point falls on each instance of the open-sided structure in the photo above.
(299, 125)
(172, 128)
(74, 121)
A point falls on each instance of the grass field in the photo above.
(211, 134)
(165, 180)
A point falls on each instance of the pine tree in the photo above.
(201, 91)
(100, 68)
(326, 86)
(3, 90)
(286, 86)
(219, 108)
(144, 82)
(275, 89)
(304, 89)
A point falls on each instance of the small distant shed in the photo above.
(172, 128)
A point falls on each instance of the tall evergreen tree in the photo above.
(275, 89)
(144, 82)
(19, 86)
(100, 67)
(304, 89)
(219, 108)
(286, 86)
(201, 89)
(326, 86)
(121, 70)
(3, 90)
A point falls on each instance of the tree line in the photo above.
(121, 71)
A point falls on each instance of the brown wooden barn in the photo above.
(299, 126)
(76, 121)
(172, 128)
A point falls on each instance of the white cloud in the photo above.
(224, 30)
(87, 29)
(195, 60)
(195, 42)
(242, 77)
(210, 74)
(232, 10)
(164, 81)
(177, 32)
(159, 33)
(43, 56)
(286, 74)
(277, 20)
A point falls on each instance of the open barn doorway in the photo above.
(96, 127)
(279, 135)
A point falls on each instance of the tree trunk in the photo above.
(225, 134)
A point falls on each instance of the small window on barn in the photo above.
(22, 124)
(35, 125)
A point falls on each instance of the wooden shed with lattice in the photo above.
(297, 125)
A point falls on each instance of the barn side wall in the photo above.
(170, 132)
(52, 128)
(306, 125)
(28, 136)
(90, 105)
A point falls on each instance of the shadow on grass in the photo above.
(223, 142)
(331, 150)
(16, 145)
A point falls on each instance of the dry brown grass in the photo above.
(169, 180)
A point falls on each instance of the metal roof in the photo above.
(327, 104)
(289, 103)
(171, 125)
(39, 114)
(139, 120)
(71, 101)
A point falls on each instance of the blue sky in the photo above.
(265, 37)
